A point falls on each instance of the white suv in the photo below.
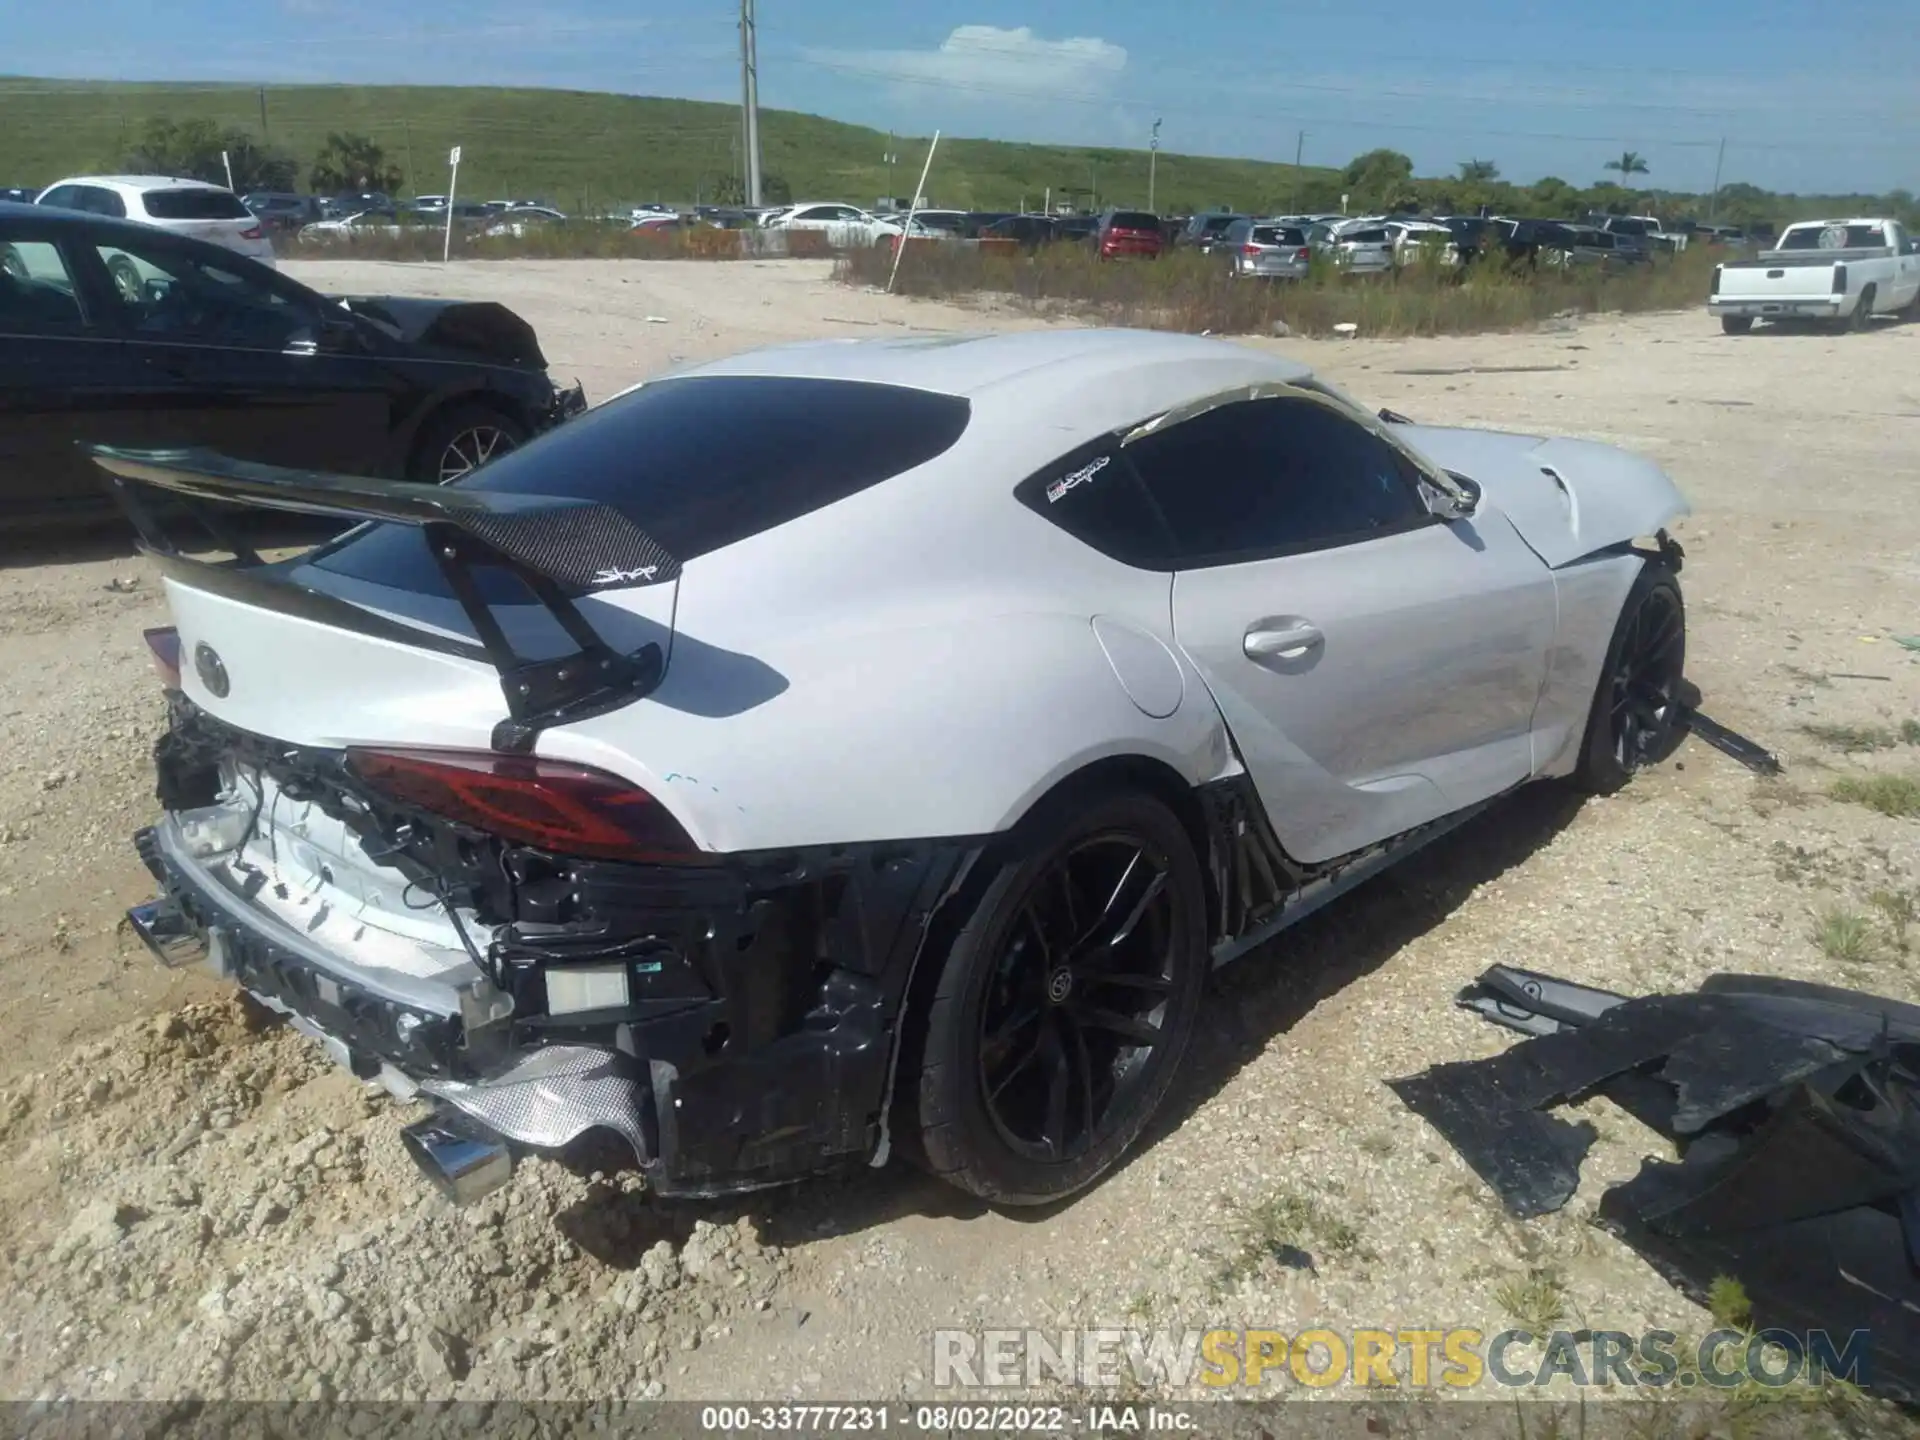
(186, 207)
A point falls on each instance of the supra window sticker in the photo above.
(1078, 477)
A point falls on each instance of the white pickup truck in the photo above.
(1841, 270)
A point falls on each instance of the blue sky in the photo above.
(1808, 97)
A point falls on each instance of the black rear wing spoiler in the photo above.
(558, 547)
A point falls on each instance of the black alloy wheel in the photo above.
(1057, 1018)
(1636, 718)
(1646, 677)
(1077, 1001)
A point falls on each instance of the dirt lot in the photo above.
(196, 1203)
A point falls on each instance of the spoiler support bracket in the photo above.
(541, 693)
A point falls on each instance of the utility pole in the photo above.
(750, 98)
(891, 156)
(1153, 157)
(265, 138)
(1299, 148)
(1713, 202)
(413, 175)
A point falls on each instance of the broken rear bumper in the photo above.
(717, 1090)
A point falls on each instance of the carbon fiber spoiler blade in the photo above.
(558, 547)
(580, 544)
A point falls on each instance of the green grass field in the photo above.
(587, 150)
(582, 149)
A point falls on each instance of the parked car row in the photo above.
(146, 335)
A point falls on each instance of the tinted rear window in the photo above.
(195, 205)
(1834, 237)
(1135, 220)
(698, 463)
(1277, 235)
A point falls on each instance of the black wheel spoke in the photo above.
(1083, 1072)
(1015, 1070)
(1139, 885)
(1059, 1080)
(1071, 1023)
(1140, 1032)
(1031, 914)
(1121, 980)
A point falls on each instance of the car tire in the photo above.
(1631, 723)
(127, 283)
(1032, 1080)
(1862, 316)
(460, 438)
(1736, 324)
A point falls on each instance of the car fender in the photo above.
(1567, 498)
(917, 731)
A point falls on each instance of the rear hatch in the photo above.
(1133, 232)
(217, 216)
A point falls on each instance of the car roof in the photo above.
(967, 364)
(46, 215)
(137, 183)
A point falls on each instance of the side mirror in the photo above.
(1451, 507)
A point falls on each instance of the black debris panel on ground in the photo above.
(1795, 1109)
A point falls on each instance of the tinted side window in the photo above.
(1269, 477)
(103, 202)
(699, 463)
(63, 197)
(36, 293)
(1093, 494)
(169, 293)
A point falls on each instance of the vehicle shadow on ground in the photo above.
(1249, 1004)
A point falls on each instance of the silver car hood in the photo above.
(1567, 498)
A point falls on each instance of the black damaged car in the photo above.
(124, 334)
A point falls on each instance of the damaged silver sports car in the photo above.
(868, 746)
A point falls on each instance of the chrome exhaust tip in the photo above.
(166, 931)
(464, 1161)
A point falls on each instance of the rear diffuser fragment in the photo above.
(1796, 1111)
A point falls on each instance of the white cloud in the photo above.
(988, 60)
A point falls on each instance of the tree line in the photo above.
(1379, 180)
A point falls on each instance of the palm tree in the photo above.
(1479, 171)
(1629, 163)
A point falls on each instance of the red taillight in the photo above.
(549, 804)
(1303, 254)
(164, 642)
(252, 232)
(1249, 250)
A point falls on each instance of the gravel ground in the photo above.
(198, 1204)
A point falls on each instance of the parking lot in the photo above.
(197, 1202)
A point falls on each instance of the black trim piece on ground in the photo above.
(1796, 1111)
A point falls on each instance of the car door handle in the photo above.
(1287, 643)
